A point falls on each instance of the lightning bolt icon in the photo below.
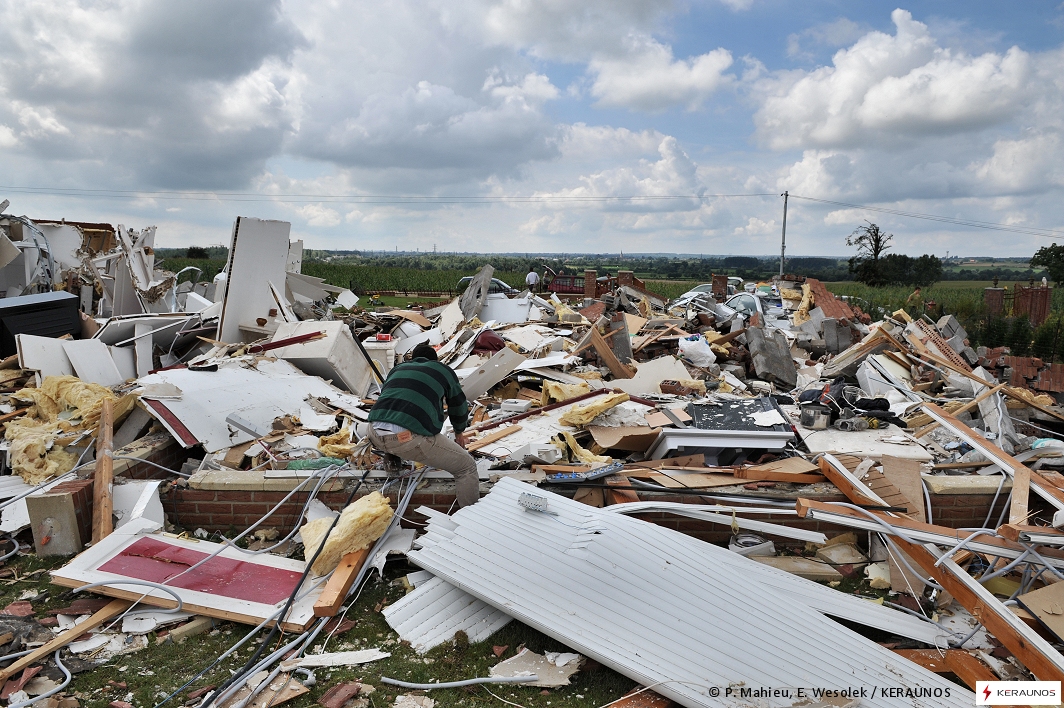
(986, 692)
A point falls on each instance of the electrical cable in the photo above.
(67, 677)
(14, 551)
(291, 598)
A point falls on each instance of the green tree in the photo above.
(871, 242)
(1052, 259)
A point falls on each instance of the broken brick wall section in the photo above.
(227, 510)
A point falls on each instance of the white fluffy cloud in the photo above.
(650, 79)
(892, 88)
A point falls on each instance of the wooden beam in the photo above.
(492, 437)
(1020, 473)
(109, 611)
(1045, 662)
(943, 535)
(950, 661)
(963, 409)
(619, 496)
(102, 502)
(336, 589)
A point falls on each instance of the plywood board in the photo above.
(1047, 604)
(234, 585)
(789, 465)
(676, 479)
(650, 374)
(92, 361)
(258, 252)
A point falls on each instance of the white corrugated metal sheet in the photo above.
(432, 613)
(820, 598)
(649, 604)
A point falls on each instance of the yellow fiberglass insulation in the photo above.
(562, 392)
(360, 525)
(31, 457)
(338, 444)
(42, 427)
(581, 453)
(583, 414)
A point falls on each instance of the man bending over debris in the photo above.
(407, 418)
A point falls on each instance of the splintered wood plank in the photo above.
(950, 661)
(492, 437)
(602, 348)
(673, 479)
(619, 496)
(1021, 474)
(336, 589)
(1035, 653)
(111, 610)
(102, 502)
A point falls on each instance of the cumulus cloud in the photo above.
(890, 88)
(181, 94)
(650, 79)
(834, 34)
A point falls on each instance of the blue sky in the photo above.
(550, 126)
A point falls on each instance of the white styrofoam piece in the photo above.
(43, 354)
(335, 357)
(435, 610)
(92, 361)
(258, 253)
(715, 629)
(272, 389)
(503, 310)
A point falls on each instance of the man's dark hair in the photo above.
(424, 351)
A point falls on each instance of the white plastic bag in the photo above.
(696, 351)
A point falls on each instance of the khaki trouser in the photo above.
(437, 451)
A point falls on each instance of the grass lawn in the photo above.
(153, 673)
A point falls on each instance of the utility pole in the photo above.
(783, 242)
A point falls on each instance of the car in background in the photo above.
(497, 286)
(769, 309)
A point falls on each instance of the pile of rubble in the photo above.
(772, 418)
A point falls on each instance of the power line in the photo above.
(1027, 230)
(354, 198)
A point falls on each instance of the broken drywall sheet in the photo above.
(272, 389)
(491, 372)
(258, 253)
(92, 362)
(44, 355)
(552, 669)
(650, 374)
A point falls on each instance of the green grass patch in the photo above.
(153, 673)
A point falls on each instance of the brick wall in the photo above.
(590, 284)
(226, 510)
